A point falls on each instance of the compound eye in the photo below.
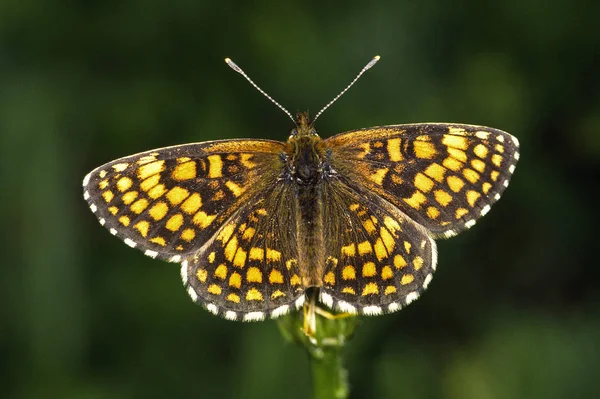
(294, 132)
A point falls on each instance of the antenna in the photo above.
(367, 67)
(239, 70)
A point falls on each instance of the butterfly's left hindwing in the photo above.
(443, 176)
(170, 201)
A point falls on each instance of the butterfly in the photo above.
(256, 224)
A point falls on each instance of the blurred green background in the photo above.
(513, 311)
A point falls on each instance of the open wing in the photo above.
(443, 176)
(170, 201)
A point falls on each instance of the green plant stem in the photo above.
(324, 349)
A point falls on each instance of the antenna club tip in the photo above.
(227, 60)
(377, 57)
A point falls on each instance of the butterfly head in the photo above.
(304, 127)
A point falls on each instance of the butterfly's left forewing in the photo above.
(170, 201)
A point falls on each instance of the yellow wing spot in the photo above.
(452, 164)
(399, 262)
(183, 159)
(248, 233)
(329, 278)
(497, 159)
(442, 197)
(231, 157)
(459, 142)
(146, 159)
(129, 197)
(480, 150)
(157, 191)
(457, 154)
(273, 255)
(214, 289)
(418, 262)
(380, 250)
(494, 175)
(179, 247)
(348, 273)
(436, 172)
(219, 195)
(330, 260)
(262, 212)
(391, 224)
(175, 222)
(407, 279)
(202, 274)
(240, 258)
(416, 200)
(124, 184)
(485, 187)
(150, 169)
(433, 212)
(379, 175)
(424, 149)
(470, 175)
(369, 226)
(143, 227)
(482, 135)
(159, 241)
(221, 271)
(158, 210)
(407, 246)
(460, 212)
(102, 174)
(387, 238)
(119, 167)
(423, 183)
(293, 262)
(139, 206)
(378, 144)
(458, 131)
(349, 250)
(390, 289)
(192, 204)
(254, 275)
(386, 273)
(235, 280)
(103, 184)
(124, 220)
(177, 194)
(257, 253)
(349, 290)
(211, 257)
(365, 248)
(393, 149)
(113, 210)
(275, 277)
(230, 248)
(472, 197)
(108, 196)
(215, 166)
(203, 220)
(184, 171)
(254, 295)
(370, 289)
(455, 183)
(150, 182)
(368, 269)
(234, 188)
(478, 165)
(188, 235)
(277, 294)
(295, 280)
(499, 148)
(354, 207)
(233, 298)
(245, 159)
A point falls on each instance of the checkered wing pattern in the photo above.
(380, 260)
(443, 176)
(169, 202)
